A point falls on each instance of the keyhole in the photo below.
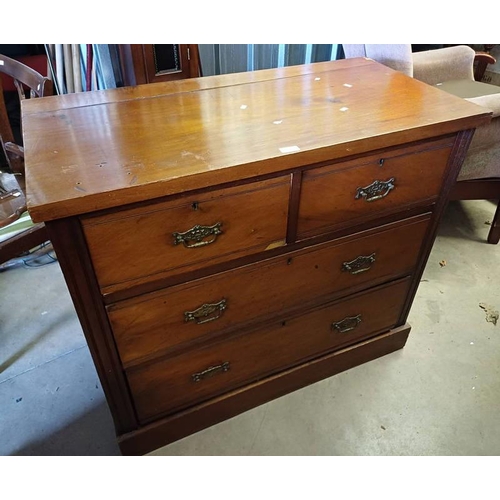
(381, 162)
(194, 206)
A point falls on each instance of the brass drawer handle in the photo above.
(210, 371)
(359, 264)
(197, 234)
(202, 314)
(347, 324)
(376, 190)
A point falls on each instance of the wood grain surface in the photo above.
(169, 384)
(195, 418)
(328, 194)
(110, 148)
(140, 242)
(151, 324)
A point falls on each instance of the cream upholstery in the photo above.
(396, 56)
(492, 102)
(482, 160)
(437, 66)
(451, 70)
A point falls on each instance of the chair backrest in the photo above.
(5, 128)
(396, 56)
(23, 75)
(24, 78)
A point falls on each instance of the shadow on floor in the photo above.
(34, 343)
(460, 223)
(90, 435)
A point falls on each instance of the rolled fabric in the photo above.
(60, 68)
(88, 69)
(77, 72)
(68, 68)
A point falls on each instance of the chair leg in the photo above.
(494, 234)
(22, 242)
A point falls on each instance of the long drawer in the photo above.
(343, 194)
(187, 233)
(177, 382)
(151, 324)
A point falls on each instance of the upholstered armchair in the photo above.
(452, 70)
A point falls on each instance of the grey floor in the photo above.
(438, 396)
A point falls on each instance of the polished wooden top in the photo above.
(96, 150)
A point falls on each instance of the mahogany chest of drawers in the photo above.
(227, 240)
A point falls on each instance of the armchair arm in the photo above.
(490, 102)
(484, 57)
(441, 65)
(482, 60)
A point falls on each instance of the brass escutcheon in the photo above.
(359, 264)
(347, 324)
(210, 371)
(197, 234)
(203, 313)
(376, 190)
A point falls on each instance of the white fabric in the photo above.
(442, 65)
(395, 56)
(354, 50)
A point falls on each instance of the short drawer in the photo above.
(187, 233)
(180, 381)
(154, 323)
(349, 193)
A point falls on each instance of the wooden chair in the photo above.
(12, 185)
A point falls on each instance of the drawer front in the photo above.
(180, 381)
(340, 195)
(188, 233)
(148, 325)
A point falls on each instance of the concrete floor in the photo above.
(438, 396)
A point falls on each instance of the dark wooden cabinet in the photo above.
(230, 239)
(151, 63)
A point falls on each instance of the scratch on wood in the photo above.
(188, 153)
(134, 164)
